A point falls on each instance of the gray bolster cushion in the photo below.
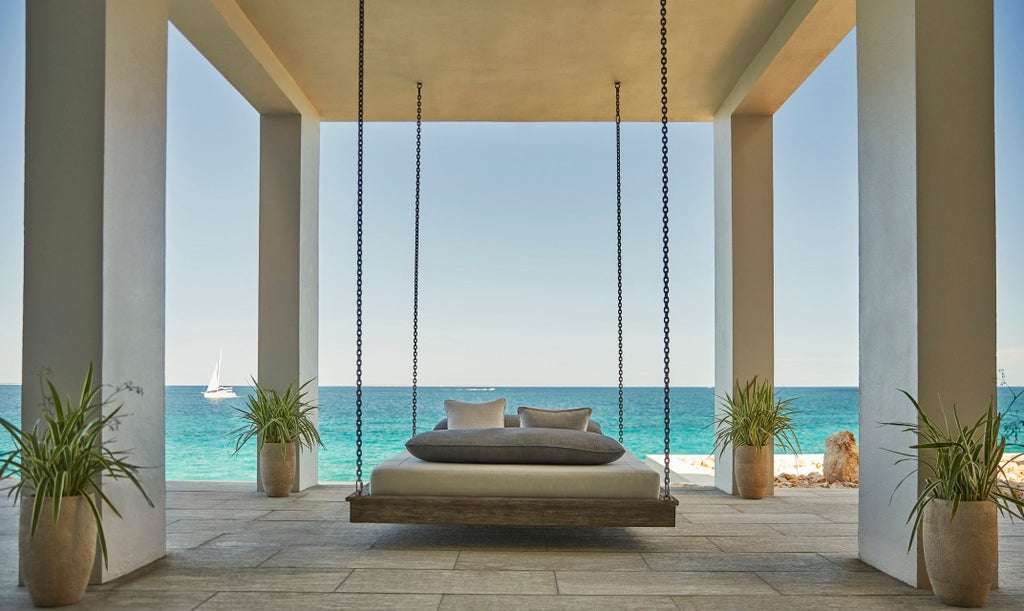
(512, 422)
(540, 418)
(534, 446)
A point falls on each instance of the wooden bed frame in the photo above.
(511, 511)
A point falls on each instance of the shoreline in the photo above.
(791, 470)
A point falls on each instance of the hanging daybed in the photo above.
(407, 489)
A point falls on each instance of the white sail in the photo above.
(215, 377)
(214, 390)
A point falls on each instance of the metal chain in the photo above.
(664, 233)
(359, 262)
(618, 234)
(416, 260)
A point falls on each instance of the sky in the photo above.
(517, 236)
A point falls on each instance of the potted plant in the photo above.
(279, 421)
(955, 512)
(59, 466)
(752, 419)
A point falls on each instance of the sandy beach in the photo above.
(791, 470)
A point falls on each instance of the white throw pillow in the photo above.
(490, 415)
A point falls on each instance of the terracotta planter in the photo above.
(277, 468)
(56, 563)
(750, 469)
(961, 553)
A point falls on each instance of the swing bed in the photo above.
(407, 490)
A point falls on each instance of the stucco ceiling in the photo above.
(517, 60)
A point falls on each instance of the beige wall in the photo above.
(927, 241)
(744, 260)
(95, 146)
(289, 255)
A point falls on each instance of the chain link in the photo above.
(359, 261)
(416, 259)
(664, 234)
(618, 236)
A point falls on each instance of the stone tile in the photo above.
(704, 497)
(302, 515)
(631, 544)
(750, 562)
(475, 602)
(193, 500)
(839, 517)
(784, 543)
(207, 526)
(757, 518)
(461, 537)
(450, 582)
(189, 540)
(238, 580)
(334, 494)
(789, 603)
(802, 507)
(707, 529)
(209, 487)
(847, 582)
(217, 557)
(817, 530)
(174, 515)
(247, 601)
(333, 558)
(284, 534)
(551, 561)
(995, 601)
(690, 508)
(594, 583)
(266, 503)
(13, 598)
(848, 561)
(843, 496)
(164, 600)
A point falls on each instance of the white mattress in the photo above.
(405, 475)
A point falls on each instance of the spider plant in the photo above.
(277, 417)
(753, 416)
(961, 463)
(68, 456)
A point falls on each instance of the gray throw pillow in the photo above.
(475, 415)
(538, 417)
(537, 446)
(512, 421)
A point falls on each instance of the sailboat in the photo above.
(214, 390)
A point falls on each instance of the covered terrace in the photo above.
(95, 185)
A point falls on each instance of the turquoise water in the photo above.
(199, 445)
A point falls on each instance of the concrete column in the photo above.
(927, 242)
(289, 260)
(95, 160)
(744, 272)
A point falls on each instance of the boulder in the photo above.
(842, 459)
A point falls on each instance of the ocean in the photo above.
(200, 445)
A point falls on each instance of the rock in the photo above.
(842, 459)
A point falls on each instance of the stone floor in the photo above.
(231, 548)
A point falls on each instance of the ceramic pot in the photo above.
(56, 563)
(961, 552)
(277, 468)
(750, 468)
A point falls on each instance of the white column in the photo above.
(927, 242)
(744, 272)
(289, 260)
(95, 159)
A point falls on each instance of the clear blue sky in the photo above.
(518, 284)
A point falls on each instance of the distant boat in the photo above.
(484, 388)
(214, 390)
